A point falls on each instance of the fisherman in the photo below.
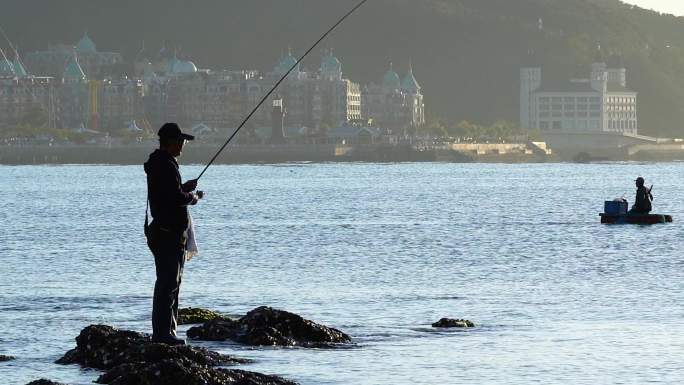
(642, 203)
(168, 233)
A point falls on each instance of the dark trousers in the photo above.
(168, 248)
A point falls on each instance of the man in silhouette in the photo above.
(642, 203)
(168, 233)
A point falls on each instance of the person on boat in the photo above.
(168, 233)
(642, 203)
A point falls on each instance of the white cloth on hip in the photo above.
(191, 245)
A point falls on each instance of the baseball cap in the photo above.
(172, 131)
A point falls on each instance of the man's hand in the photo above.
(190, 185)
(196, 197)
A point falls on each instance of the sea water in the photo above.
(379, 251)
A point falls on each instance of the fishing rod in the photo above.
(278, 83)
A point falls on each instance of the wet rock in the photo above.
(265, 326)
(4, 358)
(453, 323)
(131, 358)
(43, 381)
(104, 347)
(197, 316)
(169, 372)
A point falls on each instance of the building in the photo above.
(71, 100)
(322, 98)
(395, 103)
(24, 99)
(175, 90)
(600, 103)
(52, 61)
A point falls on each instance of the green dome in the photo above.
(6, 68)
(391, 79)
(330, 64)
(74, 70)
(286, 63)
(410, 83)
(19, 69)
(171, 64)
(85, 44)
(184, 67)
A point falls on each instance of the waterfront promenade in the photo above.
(199, 153)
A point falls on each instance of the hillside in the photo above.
(466, 53)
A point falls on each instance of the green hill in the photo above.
(466, 53)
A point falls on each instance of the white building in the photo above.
(600, 103)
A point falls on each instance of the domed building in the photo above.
(85, 45)
(391, 79)
(314, 99)
(331, 67)
(183, 67)
(19, 69)
(73, 72)
(410, 84)
(395, 103)
(6, 68)
(285, 64)
(51, 61)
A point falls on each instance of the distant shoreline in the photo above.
(200, 153)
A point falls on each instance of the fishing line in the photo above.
(278, 83)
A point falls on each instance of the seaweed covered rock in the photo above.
(265, 326)
(43, 381)
(6, 358)
(170, 372)
(131, 358)
(453, 323)
(104, 347)
(197, 316)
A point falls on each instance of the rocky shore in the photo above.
(131, 358)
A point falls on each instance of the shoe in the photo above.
(168, 340)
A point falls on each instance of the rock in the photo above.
(265, 326)
(43, 381)
(131, 358)
(197, 316)
(453, 323)
(4, 358)
(169, 372)
(103, 347)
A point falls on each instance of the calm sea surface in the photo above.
(379, 251)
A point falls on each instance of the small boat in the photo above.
(635, 219)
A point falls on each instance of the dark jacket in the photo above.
(168, 202)
(642, 204)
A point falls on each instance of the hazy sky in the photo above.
(675, 7)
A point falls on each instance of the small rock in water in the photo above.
(6, 358)
(453, 323)
(43, 381)
(197, 316)
(265, 326)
